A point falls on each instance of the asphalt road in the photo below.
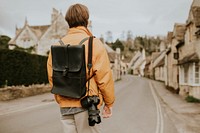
(137, 110)
(38, 119)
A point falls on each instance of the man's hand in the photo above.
(107, 112)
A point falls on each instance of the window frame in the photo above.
(194, 70)
(190, 76)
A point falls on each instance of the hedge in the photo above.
(20, 68)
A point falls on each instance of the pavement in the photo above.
(184, 115)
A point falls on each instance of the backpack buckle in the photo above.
(89, 66)
(65, 72)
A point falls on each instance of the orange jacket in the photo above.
(102, 83)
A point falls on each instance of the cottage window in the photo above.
(181, 75)
(197, 73)
(185, 69)
(191, 73)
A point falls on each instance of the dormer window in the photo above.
(197, 33)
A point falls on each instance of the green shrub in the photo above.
(20, 68)
(4, 41)
(192, 99)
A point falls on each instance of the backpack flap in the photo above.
(76, 57)
(67, 58)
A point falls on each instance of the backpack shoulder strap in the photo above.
(61, 42)
(82, 41)
(90, 52)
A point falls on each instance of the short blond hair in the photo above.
(77, 15)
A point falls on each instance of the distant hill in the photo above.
(131, 46)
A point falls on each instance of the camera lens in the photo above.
(90, 103)
(94, 120)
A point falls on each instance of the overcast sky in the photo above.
(142, 17)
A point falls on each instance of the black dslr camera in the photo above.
(90, 103)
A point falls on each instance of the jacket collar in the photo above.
(79, 30)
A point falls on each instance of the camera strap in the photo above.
(89, 65)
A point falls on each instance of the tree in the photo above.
(4, 41)
(118, 44)
(150, 44)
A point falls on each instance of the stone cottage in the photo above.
(189, 53)
(159, 63)
(41, 37)
(177, 37)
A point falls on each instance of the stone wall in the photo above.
(14, 92)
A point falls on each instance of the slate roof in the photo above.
(179, 31)
(189, 58)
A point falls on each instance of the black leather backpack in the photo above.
(69, 68)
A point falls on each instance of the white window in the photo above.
(180, 75)
(185, 69)
(191, 74)
(161, 73)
